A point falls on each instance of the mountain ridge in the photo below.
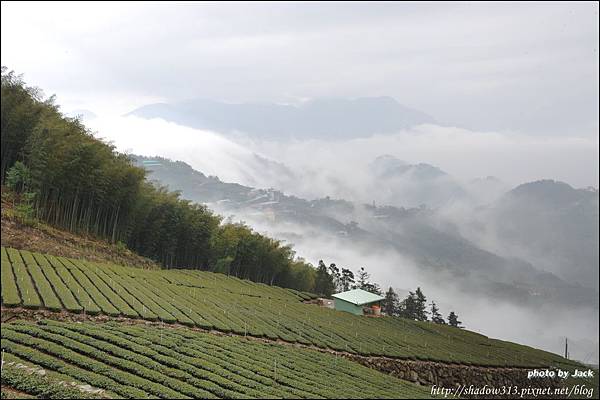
(331, 118)
(408, 230)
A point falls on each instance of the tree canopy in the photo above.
(82, 184)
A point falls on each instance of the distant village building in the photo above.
(358, 302)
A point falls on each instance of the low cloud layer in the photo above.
(544, 327)
(338, 169)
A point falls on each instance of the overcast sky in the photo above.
(529, 68)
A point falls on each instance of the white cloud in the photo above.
(526, 67)
(206, 151)
(462, 153)
(339, 168)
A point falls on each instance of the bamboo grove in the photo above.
(79, 183)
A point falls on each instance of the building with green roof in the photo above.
(354, 301)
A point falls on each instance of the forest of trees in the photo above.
(72, 180)
(414, 306)
(333, 279)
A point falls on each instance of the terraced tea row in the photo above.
(141, 362)
(30, 384)
(215, 301)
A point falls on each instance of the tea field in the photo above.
(217, 302)
(149, 362)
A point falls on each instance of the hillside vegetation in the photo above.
(71, 180)
(142, 362)
(216, 302)
(44, 238)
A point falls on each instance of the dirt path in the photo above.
(15, 394)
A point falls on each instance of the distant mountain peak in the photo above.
(324, 118)
(551, 192)
(388, 166)
(543, 188)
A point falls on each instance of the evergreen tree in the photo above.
(408, 306)
(453, 320)
(334, 271)
(362, 278)
(372, 288)
(420, 311)
(391, 304)
(347, 279)
(363, 282)
(414, 306)
(436, 317)
(323, 282)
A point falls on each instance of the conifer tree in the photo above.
(363, 282)
(334, 271)
(323, 281)
(347, 279)
(408, 306)
(453, 320)
(420, 312)
(391, 304)
(436, 317)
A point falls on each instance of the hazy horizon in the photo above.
(513, 86)
(520, 67)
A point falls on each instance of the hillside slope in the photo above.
(138, 362)
(440, 248)
(227, 304)
(44, 238)
(121, 332)
(531, 213)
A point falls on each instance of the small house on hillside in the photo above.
(358, 302)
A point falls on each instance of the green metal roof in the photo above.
(358, 297)
(150, 163)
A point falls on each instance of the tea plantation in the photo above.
(141, 362)
(227, 304)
